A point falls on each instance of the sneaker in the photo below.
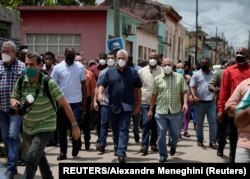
(9, 174)
(162, 159)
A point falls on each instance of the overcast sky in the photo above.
(232, 17)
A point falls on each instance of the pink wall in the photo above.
(90, 24)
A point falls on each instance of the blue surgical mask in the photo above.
(180, 71)
(31, 72)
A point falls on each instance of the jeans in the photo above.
(10, 128)
(171, 122)
(120, 126)
(201, 109)
(146, 125)
(36, 156)
(148, 138)
(105, 119)
(192, 113)
(64, 124)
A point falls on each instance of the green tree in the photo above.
(89, 2)
(11, 3)
(14, 3)
(67, 2)
(49, 3)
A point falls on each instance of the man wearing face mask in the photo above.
(49, 59)
(135, 117)
(104, 107)
(124, 89)
(10, 70)
(102, 64)
(180, 68)
(40, 119)
(89, 98)
(96, 69)
(70, 76)
(168, 89)
(149, 127)
(232, 76)
(204, 103)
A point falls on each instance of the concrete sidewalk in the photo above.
(187, 152)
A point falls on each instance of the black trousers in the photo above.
(227, 127)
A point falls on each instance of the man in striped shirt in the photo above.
(40, 120)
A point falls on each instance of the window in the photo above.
(5, 29)
(140, 52)
(56, 43)
(145, 54)
(149, 51)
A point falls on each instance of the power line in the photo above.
(236, 13)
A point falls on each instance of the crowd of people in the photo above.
(41, 99)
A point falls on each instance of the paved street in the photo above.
(187, 152)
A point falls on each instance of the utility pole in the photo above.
(216, 45)
(249, 43)
(116, 18)
(196, 34)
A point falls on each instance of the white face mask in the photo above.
(110, 62)
(167, 69)
(152, 62)
(6, 58)
(102, 61)
(121, 63)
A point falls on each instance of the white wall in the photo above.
(147, 41)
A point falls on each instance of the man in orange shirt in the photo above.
(89, 95)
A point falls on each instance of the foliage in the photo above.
(14, 3)
(11, 3)
(89, 2)
(67, 2)
(49, 3)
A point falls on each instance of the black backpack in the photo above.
(46, 91)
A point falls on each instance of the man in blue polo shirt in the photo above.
(124, 89)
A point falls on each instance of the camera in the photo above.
(24, 105)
